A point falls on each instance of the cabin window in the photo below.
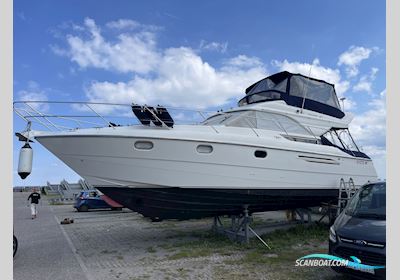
(260, 154)
(144, 145)
(260, 120)
(204, 149)
(278, 122)
(217, 119)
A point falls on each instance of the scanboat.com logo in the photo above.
(329, 260)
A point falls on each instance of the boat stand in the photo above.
(239, 228)
(328, 210)
(304, 212)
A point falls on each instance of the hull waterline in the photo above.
(182, 204)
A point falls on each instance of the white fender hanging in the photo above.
(25, 161)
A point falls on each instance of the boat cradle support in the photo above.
(303, 213)
(239, 229)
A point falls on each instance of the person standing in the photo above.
(34, 197)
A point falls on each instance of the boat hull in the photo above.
(104, 160)
(182, 204)
(207, 174)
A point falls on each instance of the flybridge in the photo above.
(296, 90)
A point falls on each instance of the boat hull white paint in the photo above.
(113, 160)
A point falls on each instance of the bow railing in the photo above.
(72, 115)
(64, 115)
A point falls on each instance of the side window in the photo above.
(279, 123)
(243, 119)
(267, 121)
(217, 119)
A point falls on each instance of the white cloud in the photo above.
(33, 93)
(123, 23)
(365, 82)
(177, 76)
(174, 76)
(370, 127)
(353, 57)
(129, 24)
(369, 132)
(130, 53)
(58, 50)
(243, 61)
(213, 46)
(183, 79)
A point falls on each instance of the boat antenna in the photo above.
(343, 99)
(305, 90)
(308, 79)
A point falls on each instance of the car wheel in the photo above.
(15, 245)
(83, 208)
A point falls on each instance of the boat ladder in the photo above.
(346, 191)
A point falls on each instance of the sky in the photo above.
(199, 55)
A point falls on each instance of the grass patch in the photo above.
(285, 244)
(298, 235)
(194, 253)
(205, 244)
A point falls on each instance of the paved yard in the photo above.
(123, 245)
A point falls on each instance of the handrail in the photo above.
(28, 112)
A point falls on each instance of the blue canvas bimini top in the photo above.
(294, 89)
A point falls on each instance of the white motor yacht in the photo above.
(286, 145)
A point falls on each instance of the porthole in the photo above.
(204, 149)
(144, 145)
(260, 154)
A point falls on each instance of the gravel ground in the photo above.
(107, 244)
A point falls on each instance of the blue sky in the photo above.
(201, 54)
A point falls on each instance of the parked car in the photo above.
(360, 231)
(93, 200)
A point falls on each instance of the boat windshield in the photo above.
(342, 139)
(369, 202)
(259, 120)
